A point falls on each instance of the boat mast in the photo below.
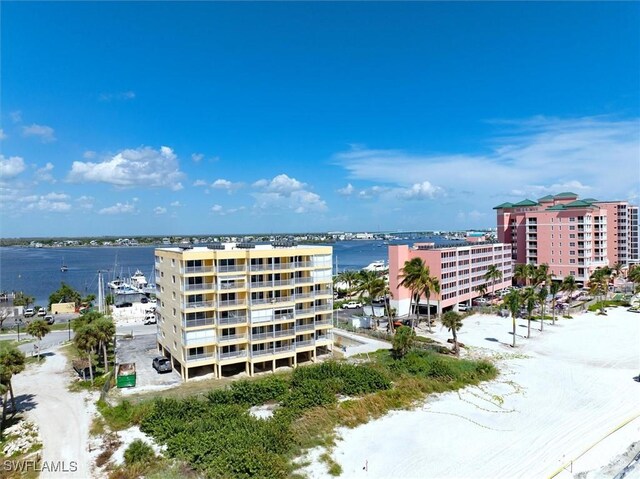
(101, 307)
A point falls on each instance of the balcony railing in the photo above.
(231, 302)
(284, 332)
(237, 319)
(305, 295)
(281, 316)
(324, 322)
(303, 280)
(192, 323)
(196, 341)
(232, 337)
(262, 352)
(199, 357)
(304, 327)
(304, 311)
(261, 336)
(307, 342)
(230, 268)
(199, 286)
(232, 354)
(234, 285)
(200, 304)
(304, 264)
(198, 269)
(324, 339)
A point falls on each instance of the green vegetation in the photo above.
(601, 305)
(217, 436)
(138, 451)
(403, 341)
(66, 294)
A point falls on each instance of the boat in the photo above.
(138, 280)
(63, 267)
(376, 266)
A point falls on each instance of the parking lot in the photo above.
(141, 349)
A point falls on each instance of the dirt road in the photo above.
(63, 417)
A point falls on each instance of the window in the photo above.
(572, 245)
(175, 330)
(173, 294)
(572, 227)
(173, 262)
(572, 236)
(572, 253)
(173, 279)
(572, 218)
(572, 261)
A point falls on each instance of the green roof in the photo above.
(556, 208)
(546, 198)
(565, 195)
(590, 200)
(578, 204)
(526, 203)
(503, 205)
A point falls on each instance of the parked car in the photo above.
(352, 305)
(463, 307)
(162, 364)
(124, 305)
(150, 318)
(144, 300)
(481, 301)
(42, 312)
(404, 322)
(29, 312)
(49, 319)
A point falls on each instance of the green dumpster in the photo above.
(126, 377)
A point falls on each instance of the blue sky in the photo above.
(214, 118)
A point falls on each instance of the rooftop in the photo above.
(238, 247)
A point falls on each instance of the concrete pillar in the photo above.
(313, 355)
(273, 366)
(251, 369)
(216, 371)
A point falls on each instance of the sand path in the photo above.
(63, 417)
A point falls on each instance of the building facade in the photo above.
(239, 307)
(573, 236)
(459, 267)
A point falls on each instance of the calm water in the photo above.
(37, 271)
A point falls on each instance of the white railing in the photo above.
(198, 269)
(192, 323)
(304, 327)
(306, 311)
(199, 304)
(199, 286)
(232, 354)
(303, 280)
(234, 285)
(199, 357)
(231, 337)
(284, 332)
(283, 349)
(281, 316)
(196, 341)
(304, 264)
(262, 352)
(260, 336)
(231, 302)
(308, 342)
(231, 268)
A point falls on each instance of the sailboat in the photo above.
(63, 267)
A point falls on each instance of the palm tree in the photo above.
(38, 329)
(453, 322)
(86, 341)
(481, 289)
(105, 331)
(634, 275)
(521, 273)
(554, 289)
(598, 285)
(493, 273)
(428, 284)
(408, 276)
(530, 299)
(12, 362)
(542, 300)
(569, 286)
(540, 274)
(513, 301)
(349, 278)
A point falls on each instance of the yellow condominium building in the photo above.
(243, 307)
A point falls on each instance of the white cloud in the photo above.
(44, 173)
(200, 183)
(43, 132)
(89, 155)
(141, 167)
(219, 210)
(16, 116)
(51, 202)
(347, 190)
(159, 210)
(3, 135)
(420, 191)
(229, 186)
(216, 208)
(533, 157)
(176, 204)
(197, 157)
(283, 193)
(118, 208)
(11, 167)
(282, 184)
(123, 95)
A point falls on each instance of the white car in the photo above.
(481, 301)
(150, 318)
(29, 312)
(352, 305)
(42, 312)
(463, 307)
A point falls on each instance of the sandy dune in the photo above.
(559, 393)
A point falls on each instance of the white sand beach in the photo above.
(558, 395)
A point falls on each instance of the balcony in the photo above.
(261, 336)
(200, 357)
(231, 268)
(261, 284)
(304, 327)
(284, 332)
(324, 322)
(303, 264)
(199, 304)
(323, 308)
(199, 286)
(303, 280)
(194, 323)
(304, 295)
(305, 343)
(262, 352)
(283, 282)
(231, 320)
(231, 302)
(235, 338)
(198, 341)
(324, 292)
(304, 312)
(281, 316)
(326, 339)
(234, 285)
(284, 349)
(232, 355)
(198, 269)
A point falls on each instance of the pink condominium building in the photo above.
(459, 267)
(572, 236)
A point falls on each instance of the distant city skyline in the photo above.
(129, 119)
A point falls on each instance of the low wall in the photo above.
(63, 308)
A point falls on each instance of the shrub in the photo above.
(403, 341)
(138, 452)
